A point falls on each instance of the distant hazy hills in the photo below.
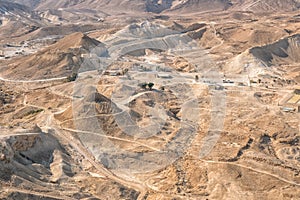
(158, 6)
(7, 7)
(266, 5)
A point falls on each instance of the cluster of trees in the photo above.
(146, 85)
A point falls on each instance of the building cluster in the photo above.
(293, 103)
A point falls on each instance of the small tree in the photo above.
(150, 85)
(72, 77)
(143, 85)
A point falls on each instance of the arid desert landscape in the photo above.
(150, 99)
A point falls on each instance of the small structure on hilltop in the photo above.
(113, 72)
(164, 75)
(288, 109)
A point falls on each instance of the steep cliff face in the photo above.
(27, 156)
(285, 51)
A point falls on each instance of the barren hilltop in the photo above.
(150, 99)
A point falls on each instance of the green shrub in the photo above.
(150, 85)
(72, 77)
(143, 85)
(32, 112)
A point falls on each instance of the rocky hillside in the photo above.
(8, 7)
(267, 5)
(28, 3)
(285, 51)
(201, 6)
(60, 59)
